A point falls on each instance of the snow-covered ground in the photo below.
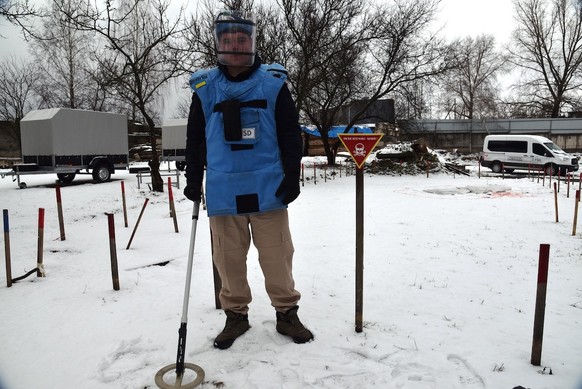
(449, 294)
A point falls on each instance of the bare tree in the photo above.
(470, 88)
(548, 46)
(406, 50)
(18, 79)
(326, 46)
(390, 48)
(19, 13)
(64, 56)
(142, 52)
(414, 99)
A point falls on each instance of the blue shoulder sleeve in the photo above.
(276, 70)
(199, 78)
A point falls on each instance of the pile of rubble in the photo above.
(412, 158)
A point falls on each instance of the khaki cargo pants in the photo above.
(231, 238)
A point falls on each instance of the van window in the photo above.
(538, 149)
(553, 147)
(508, 146)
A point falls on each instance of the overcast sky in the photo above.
(475, 17)
(460, 17)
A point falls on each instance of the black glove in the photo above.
(193, 192)
(289, 188)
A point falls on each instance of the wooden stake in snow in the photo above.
(538, 331)
(551, 175)
(576, 202)
(556, 200)
(137, 223)
(113, 252)
(60, 211)
(172, 207)
(124, 203)
(7, 249)
(39, 251)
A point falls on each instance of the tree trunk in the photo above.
(327, 148)
(154, 163)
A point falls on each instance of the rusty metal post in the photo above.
(137, 223)
(7, 249)
(216, 277)
(359, 248)
(538, 331)
(113, 252)
(40, 246)
(172, 206)
(60, 211)
(556, 201)
(576, 202)
(124, 203)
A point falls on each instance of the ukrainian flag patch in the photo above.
(200, 84)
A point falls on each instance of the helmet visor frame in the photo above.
(235, 38)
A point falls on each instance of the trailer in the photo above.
(174, 142)
(67, 142)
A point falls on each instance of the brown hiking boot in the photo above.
(236, 325)
(289, 324)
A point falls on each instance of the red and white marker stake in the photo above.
(538, 331)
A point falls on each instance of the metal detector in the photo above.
(180, 367)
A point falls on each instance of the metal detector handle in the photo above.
(195, 211)
(183, 326)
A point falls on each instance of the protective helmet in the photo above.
(235, 37)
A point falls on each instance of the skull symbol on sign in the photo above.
(359, 150)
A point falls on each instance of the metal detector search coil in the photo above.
(180, 367)
(163, 384)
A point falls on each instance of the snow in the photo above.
(449, 288)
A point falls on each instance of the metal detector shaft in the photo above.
(182, 331)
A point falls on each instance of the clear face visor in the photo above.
(234, 38)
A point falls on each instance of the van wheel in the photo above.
(550, 170)
(101, 173)
(496, 167)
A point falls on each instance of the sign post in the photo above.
(360, 146)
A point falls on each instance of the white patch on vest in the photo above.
(248, 133)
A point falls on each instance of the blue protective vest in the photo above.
(242, 174)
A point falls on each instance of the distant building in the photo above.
(467, 136)
(381, 111)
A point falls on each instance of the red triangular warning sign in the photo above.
(360, 145)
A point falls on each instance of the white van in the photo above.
(510, 152)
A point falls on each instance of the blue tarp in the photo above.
(335, 130)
